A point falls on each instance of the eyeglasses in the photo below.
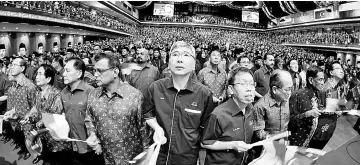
(178, 54)
(288, 90)
(101, 71)
(251, 84)
(15, 65)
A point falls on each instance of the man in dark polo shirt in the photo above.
(58, 65)
(229, 128)
(74, 98)
(262, 75)
(176, 109)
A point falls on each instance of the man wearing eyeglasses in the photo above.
(115, 108)
(177, 107)
(21, 99)
(229, 128)
(271, 112)
(143, 75)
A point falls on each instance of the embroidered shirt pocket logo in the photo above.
(235, 129)
(162, 98)
(192, 111)
(194, 104)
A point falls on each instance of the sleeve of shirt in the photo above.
(148, 104)
(143, 127)
(212, 130)
(32, 96)
(200, 77)
(88, 121)
(209, 107)
(57, 106)
(259, 122)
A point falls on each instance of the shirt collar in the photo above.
(119, 92)
(189, 85)
(266, 70)
(271, 100)
(235, 108)
(81, 87)
(211, 70)
(148, 65)
(22, 81)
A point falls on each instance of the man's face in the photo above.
(244, 62)
(16, 68)
(41, 49)
(41, 61)
(318, 81)
(284, 92)
(259, 62)
(55, 64)
(124, 52)
(55, 49)
(181, 61)
(2, 53)
(97, 50)
(337, 71)
(243, 88)
(163, 55)
(294, 66)
(22, 51)
(104, 75)
(70, 73)
(215, 58)
(150, 51)
(270, 61)
(142, 55)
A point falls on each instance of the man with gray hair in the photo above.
(144, 74)
(177, 108)
(271, 112)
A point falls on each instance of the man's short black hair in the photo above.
(78, 65)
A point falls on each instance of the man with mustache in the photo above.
(262, 75)
(143, 75)
(177, 107)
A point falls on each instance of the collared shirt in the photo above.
(142, 78)
(227, 123)
(4, 86)
(270, 117)
(50, 102)
(335, 90)
(181, 114)
(59, 80)
(22, 97)
(119, 122)
(296, 80)
(75, 104)
(261, 77)
(306, 129)
(215, 81)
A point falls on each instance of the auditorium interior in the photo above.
(329, 28)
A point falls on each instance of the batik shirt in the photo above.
(141, 78)
(307, 130)
(50, 102)
(270, 117)
(22, 97)
(215, 81)
(118, 122)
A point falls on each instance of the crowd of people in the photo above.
(339, 37)
(74, 11)
(188, 89)
(203, 19)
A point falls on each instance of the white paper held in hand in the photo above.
(58, 126)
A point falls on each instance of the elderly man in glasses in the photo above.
(176, 108)
(271, 112)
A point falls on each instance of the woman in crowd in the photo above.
(48, 101)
